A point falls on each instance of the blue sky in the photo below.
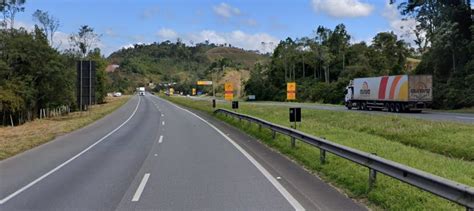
(243, 23)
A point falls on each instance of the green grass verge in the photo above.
(389, 193)
(14, 140)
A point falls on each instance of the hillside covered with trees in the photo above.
(175, 62)
(323, 64)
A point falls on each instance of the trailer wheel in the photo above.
(404, 108)
(359, 106)
(397, 108)
(392, 107)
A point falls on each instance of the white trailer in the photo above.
(398, 93)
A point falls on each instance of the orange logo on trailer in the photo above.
(291, 91)
(229, 91)
(420, 91)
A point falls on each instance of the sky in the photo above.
(241, 23)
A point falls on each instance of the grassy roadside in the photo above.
(14, 140)
(389, 193)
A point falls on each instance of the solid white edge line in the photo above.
(141, 187)
(163, 123)
(161, 139)
(70, 159)
(462, 117)
(296, 205)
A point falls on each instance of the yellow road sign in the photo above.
(204, 83)
(171, 91)
(229, 91)
(194, 91)
(291, 91)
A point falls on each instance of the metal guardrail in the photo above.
(453, 191)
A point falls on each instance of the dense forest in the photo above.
(34, 75)
(323, 65)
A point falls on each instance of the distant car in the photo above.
(117, 94)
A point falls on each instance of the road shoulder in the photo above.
(308, 189)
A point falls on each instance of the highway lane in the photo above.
(97, 178)
(151, 154)
(427, 114)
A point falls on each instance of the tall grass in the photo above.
(14, 140)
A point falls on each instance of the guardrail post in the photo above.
(322, 156)
(372, 178)
(273, 134)
(293, 142)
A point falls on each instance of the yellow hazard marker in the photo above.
(291, 91)
(229, 91)
(204, 83)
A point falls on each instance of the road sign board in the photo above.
(235, 104)
(194, 91)
(204, 83)
(291, 91)
(229, 91)
(295, 114)
(86, 83)
(171, 91)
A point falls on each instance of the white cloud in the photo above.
(342, 8)
(402, 28)
(128, 46)
(61, 40)
(167, 34)
(238, 39)
(110, 32)
(226, 11)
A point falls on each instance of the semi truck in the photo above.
(141, 91)
(399, 93)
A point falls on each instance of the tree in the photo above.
(84, 39)
(9, 9)
(390, 52)
(448, 27)
(49, 23)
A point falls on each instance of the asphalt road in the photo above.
(426, 114)
(153, 155)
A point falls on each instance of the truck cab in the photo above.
(349, 95)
